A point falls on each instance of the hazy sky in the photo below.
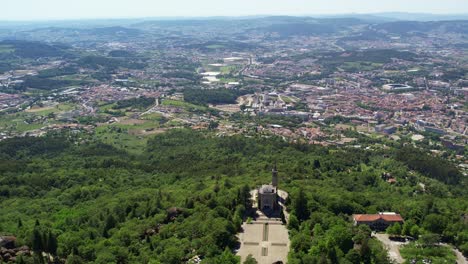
(72, 9)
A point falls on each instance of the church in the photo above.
(268, 193)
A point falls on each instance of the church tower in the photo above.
(274, 177)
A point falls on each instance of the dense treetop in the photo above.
(104, 205)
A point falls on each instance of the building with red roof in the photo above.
(378, 221)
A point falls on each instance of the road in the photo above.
(338, 47)
(392, 247)
(88, 108)
(460, 258)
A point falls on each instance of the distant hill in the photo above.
(375, 26)
(113, 31)
(310, 27)
(34, 50)
(64, 34)
(396, 16)
(411, 27)
(421, 16)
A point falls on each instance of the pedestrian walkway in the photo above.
(265, 238)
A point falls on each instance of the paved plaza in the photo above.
(265, 238)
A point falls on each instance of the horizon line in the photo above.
(227, 16)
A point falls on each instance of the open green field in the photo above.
(118, 136)
(106, 107)
(288, 99)
(228, 69)
(73, 77)
(130, 134)
(31, 119)
(6, 49)
(227, 80)
(153, 117)
(361, 66)
(129, 125)
(212, 68)
(23, 127)
(20, 122)
(43, 111)
(184, 105)
(215, 46)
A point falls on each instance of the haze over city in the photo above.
(70, 9)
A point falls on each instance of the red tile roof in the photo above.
(392, 217)
(375, 217)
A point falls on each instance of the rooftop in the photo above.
(267, 188)
(387, 216)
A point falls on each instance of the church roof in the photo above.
(267, 188)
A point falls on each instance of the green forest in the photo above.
(212, 96)
(186, 192)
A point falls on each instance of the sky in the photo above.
(81, 9)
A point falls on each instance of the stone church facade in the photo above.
(268, 194)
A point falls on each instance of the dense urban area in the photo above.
(153, 141)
